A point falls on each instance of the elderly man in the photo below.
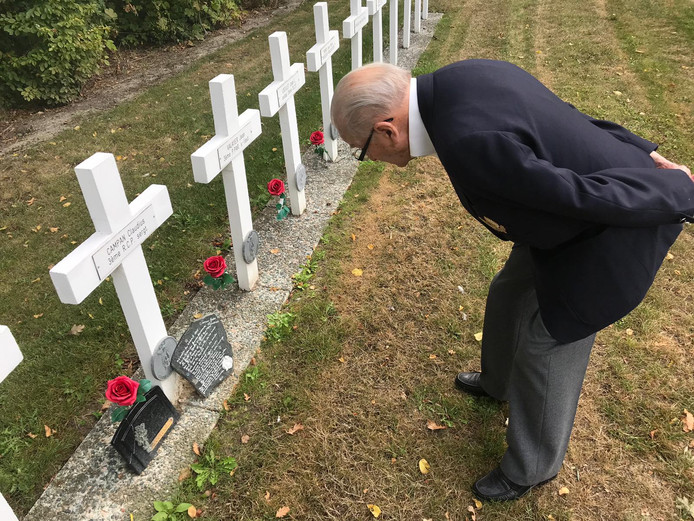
(591, 208)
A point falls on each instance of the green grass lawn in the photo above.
(372, 358)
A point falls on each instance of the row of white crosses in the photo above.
(114, 250)
(10, 356)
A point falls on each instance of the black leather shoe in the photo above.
(495, 486)
(470, 383)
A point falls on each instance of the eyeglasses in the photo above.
(360, 154)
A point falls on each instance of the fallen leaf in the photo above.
(471, 509)
(652, 434)
(65, 205)
(341, 359)
(629, 331)
(357, 272)
(39, 315)
(225, 404)
(76, 329)
(432, 357)
(451, 352)
(245, 438)
(275, 251)
(354, 237)
(274, 149)
(49, 432)
(297, 427)
(37, 279)
(185, 474)
(77, 127)
(375, 510)
(246, 397)
(563, 491)
(53, 229)
(31, 201)
(669, 256)
(197, 316)
(267, 495)
(31, 435)
(284, 510)
(196, 448)
(688, 421)
(616, 93)
(192, 511)
(370, 246)
(478, 336)
(62, 198)
(424, 466)
(433, 426)
(478, 503)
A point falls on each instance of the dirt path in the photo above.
(130, 72)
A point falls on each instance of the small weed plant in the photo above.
(167, 511)
(279, 325)
(210, 469)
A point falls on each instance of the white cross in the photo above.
(115, 249)
(224, 153)
(375, 9)
(407, 10)
(425, 9)
(417, 16)
(279, 97)
(394, 32)
(10, 356)
(351, 28)
(319, 58)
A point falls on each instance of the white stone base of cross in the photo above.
(279, 97)
(10, 357)
(375, 9)
(115, 250)
(394, 32)
(319, 58)
(224, 153)
(407, 14)
(351, 28)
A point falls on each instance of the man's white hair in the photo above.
(365, 96)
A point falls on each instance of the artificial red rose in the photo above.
(317, 137)
(215, 266)
(122, 390)
(275, 187)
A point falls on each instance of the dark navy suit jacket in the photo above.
(583, 194)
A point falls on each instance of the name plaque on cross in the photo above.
(238, 142)
(111, 255)
(355, 23)
(328, 49)
(290, 87)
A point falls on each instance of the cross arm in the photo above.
(209, 160)
(77, 275)
(317, 55)
(10, 355)
(275, 95)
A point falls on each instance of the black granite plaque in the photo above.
(203, 355)
(141, 432)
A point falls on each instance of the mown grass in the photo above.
(61, 381)
(398, 334)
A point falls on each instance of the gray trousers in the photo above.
(539, 377)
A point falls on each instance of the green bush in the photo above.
(161, 21)
(50, 48)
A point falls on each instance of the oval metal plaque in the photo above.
(250, 246)
(333, 132)
(300, 178)
(161, 358)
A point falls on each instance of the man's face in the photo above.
(388, 143)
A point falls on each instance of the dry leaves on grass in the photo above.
(282, 512)
(563, 491)
(375, 510)
(76, 329)
(424, 466)
(49, 432)
(357, 272)
(196, 448)
(433, 426)
(687, 421)
(297, 427)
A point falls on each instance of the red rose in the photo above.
(275, 187)
(215, 266)
(122, 390)
(317, 137)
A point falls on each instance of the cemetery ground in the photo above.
(378, 325)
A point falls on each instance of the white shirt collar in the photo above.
(420, 143)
